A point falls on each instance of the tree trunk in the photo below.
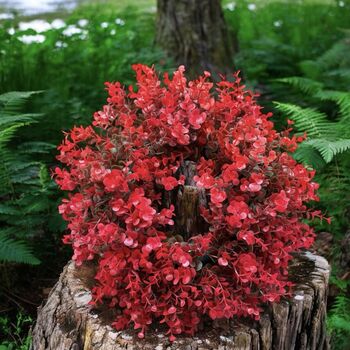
(67, 322)
(194, 33)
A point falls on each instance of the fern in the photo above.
(36, 147)
(332, 68)
(328, 138)
(340, 73)
(308, 120)
(329, 149)
(339, 320)
(13, 102)
(305, 85)
(342, 99)
(335, 55)
(15, 251)
(23, 192)
(309, 156)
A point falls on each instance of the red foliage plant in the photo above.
(118, 168)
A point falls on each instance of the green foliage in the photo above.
(328, 144)
(308, 120)
(329, 149)
(339, 321)
(26, 190)
(15, 251)
(305, 85)
(14, 334)
(328, 138)
(95, 45)
(276, 36)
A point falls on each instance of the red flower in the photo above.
(246, 266)
(115, 181)
(222, 261)
(146, 211)
(152, 243)
(119, 206)
(197, 118)
(180, 132)
(240, 207)
(280, 201)
(64, 180)
(217, 196)
(205, 181)
(119, 216)
(247, 236)
(241, 162)
(230, 174)
(169, 183)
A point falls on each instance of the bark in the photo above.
(194, 33)
(67, 322)
(188, 200)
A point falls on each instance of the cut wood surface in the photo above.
(67, 322)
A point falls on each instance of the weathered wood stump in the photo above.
(67, 321)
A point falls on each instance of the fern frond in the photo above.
(6, 156)
(8, 120)
(19, 165)
(340, 323)
(36, 147)
(341, 98)
(341, 308)
(15, 251)
(342, 73)
(329, 149)
(33, 203)
(308, 155)
(337, 53)
(7, 134)
(308, 120)
(29, 177)
(11, 103)
(8, 209)
(306, 85)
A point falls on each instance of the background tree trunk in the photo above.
(194, 33)
(67, 322)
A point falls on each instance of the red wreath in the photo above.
(120, 169)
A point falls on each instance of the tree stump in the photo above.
(67, 321)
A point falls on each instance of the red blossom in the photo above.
(169, 183)
(246, 266)
(197, 118)
(280, 201)
(206, 181)
(115, 181)
(247, 236)
(217, 196)
(118, 170)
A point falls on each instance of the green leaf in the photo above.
(308, 120)
(305, 85)
(36, 147)
(309, 156)
(329, 149)
(15, 251)
(14, 101)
